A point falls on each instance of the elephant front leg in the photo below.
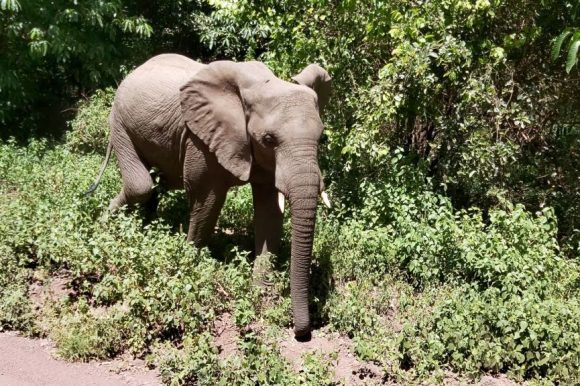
(205, 208)
(268, 219)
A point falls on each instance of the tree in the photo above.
(55, 51)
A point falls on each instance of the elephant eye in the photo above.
(269, 139)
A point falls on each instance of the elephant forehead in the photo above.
(291, 102)
(274, 92)
(287, 113)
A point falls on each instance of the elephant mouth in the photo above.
(284, 194)
(323, 196)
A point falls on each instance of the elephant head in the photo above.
(255, 122)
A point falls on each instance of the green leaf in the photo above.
(557, 46)
(10, 5)
(572, 54)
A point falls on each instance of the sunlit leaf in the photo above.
(10, 5)
(557, 46)
(572, 58)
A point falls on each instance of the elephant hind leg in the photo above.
(137, 181)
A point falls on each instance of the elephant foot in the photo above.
(303, 337)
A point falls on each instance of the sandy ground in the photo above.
(30, 362)
(347, 369)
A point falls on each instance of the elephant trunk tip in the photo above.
(302, 335)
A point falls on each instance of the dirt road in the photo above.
(28, 362)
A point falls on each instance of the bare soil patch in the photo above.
(226, 333)
(348, 369)
(30, 362)
(499, 380)
(52, 289)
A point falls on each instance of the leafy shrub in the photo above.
(237, 215)
(90, 127)
(356, 309)
(258, 363)
(506, 266)
(317, 370)
(419, 233)
(80, 335)
(168, 288)
(15, 308)
(473, 331)
(196, 363)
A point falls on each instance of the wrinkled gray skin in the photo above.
(210, 127)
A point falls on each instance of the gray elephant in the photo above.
(209, 127)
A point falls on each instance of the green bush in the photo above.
(482, 281)
(424, 239)
(170, 287)
(196, 363)
(90, 127)
(237, 215)
(167, 288)
(81, 336)
(526, 336)
(258, 363)
(356, 309)
(15, 309)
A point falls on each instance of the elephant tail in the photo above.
(94, 185)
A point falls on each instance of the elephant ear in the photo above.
(213, 108)
(317, 79)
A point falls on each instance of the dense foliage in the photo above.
(55, 52)
(466, 88)
(450, 152)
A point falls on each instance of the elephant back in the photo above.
(149, 95)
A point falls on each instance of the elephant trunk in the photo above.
(303, 190)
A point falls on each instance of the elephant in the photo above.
(209, 127)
